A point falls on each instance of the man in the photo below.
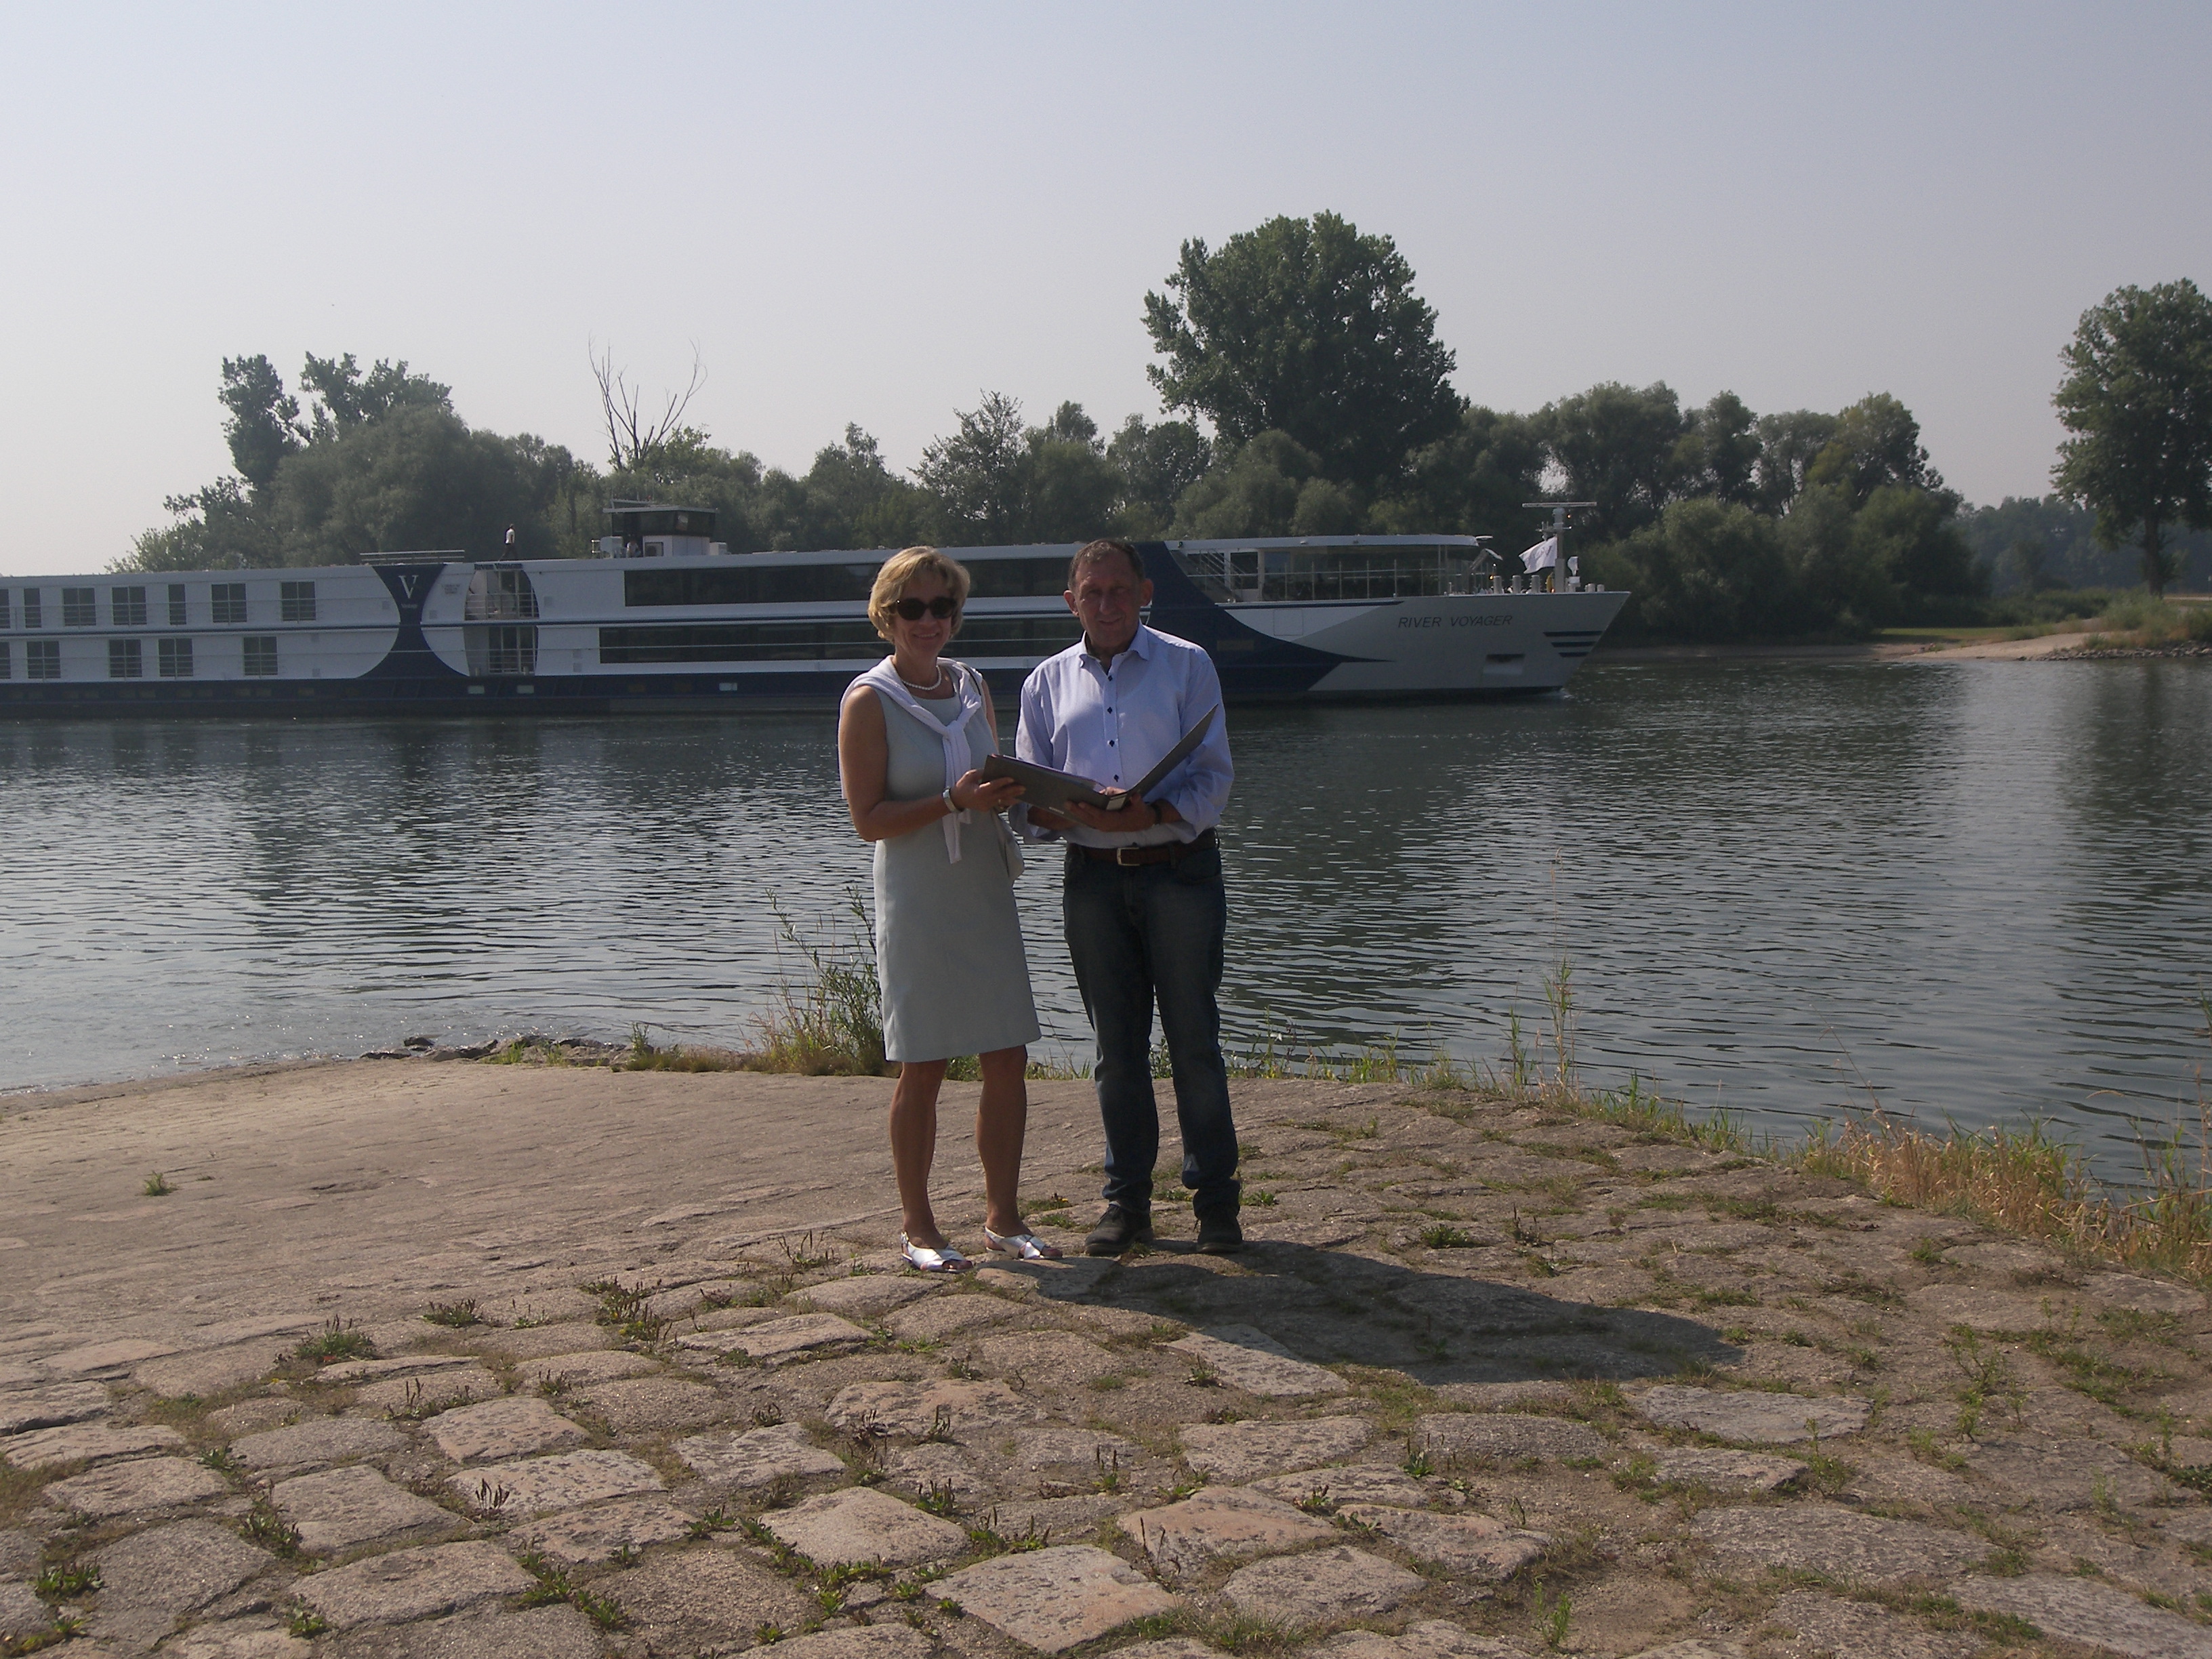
(1142, 896)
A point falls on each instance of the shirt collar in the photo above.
(1139, 646)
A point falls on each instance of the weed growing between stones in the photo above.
(157, 1185)
(65, 1627)
(261, 1525)
(456, 1316)
(62, 1584)
(338, 1340)
(553, 1586)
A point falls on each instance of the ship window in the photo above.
(80, 607)
(260, 653)
(177, 615)
(128, 606)
(7, 665)
(7, 609)
(823, 642)
(227, 600)
(176, 659)
(125, 660)
(297, 601)
(34, 612)
(42, 659)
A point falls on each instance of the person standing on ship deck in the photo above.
(1142, 898)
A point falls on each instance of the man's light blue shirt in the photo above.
(1113, 722)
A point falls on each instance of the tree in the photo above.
(1157, 463)
(979, 474)
(2138, 397)
(1787, 444)
(1308, 328)
(263, 427)
(346, 398)
(1471, 482)
(1718, 451)
(1709, 569)
(1875, 443)
(635, 438)
(1619, 447)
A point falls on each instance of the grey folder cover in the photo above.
(1043, 786)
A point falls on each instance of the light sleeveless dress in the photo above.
(948, 943)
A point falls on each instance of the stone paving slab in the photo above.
(862, 1524)
(1239, 1452)
(863, 1641)
(781, 1341)
(1839, 1542)
(583, 1370)
(105, 1359)
(2096, 1614)
(1428, 1638)
(1055, 1599)
(548, 1632)
(868, 1296)
(320, 1440)
(566, 1480)
(1729, 1471)
(2148, 1295)
(1322, 1586)
(174, 1569)
(1052, 1445)
(205, 1371)
(1505, 1437)
(1826, 1625)
(1247, 1357)
(20, 1611)
(87, 1443)
(141, 1487)
(343, 1509)
(51, 1406)
(694, 1601)
(1474, 1544)
(434, 1391)
(2068, 1474)
(1228, 1524)
(639, 1406)
(915, 1408)
(538, 1341)
(348, 1372)
(511, 1427)
(581, 1537)
(1988, 1311)
(1349, 1483)
(1774, 1419)
(250, 1638)
(942, 1316)
(413, 1584)
(754, 1457)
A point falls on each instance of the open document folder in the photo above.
(1043, 786)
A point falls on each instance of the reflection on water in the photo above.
(1981, 892)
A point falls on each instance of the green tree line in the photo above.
(1304, 392)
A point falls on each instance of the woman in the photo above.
(912, 734)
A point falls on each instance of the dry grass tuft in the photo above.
(2024, 1180)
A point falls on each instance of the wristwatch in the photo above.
(950, 808)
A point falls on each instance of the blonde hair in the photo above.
(901, 569)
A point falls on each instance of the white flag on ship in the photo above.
(1545, 555)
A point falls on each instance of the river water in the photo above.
(1979, 892)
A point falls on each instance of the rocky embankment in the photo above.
(473, 1360)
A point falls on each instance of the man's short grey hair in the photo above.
(1106, 547)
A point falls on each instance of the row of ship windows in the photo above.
(127, 606)
(126, 659)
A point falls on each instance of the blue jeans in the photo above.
(1137, 934)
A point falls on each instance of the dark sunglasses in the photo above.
(913, 609)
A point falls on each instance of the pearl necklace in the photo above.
(942, 673)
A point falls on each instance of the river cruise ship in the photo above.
(667, 620)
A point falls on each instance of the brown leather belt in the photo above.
(1166, 852)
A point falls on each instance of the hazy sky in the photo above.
(872, 214)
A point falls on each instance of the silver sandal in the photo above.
(922, 1258)
(1023, 1246)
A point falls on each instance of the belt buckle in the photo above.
(1121, 854)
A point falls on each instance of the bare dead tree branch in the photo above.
(633, 442)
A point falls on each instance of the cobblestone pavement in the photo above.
(474, 1361)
